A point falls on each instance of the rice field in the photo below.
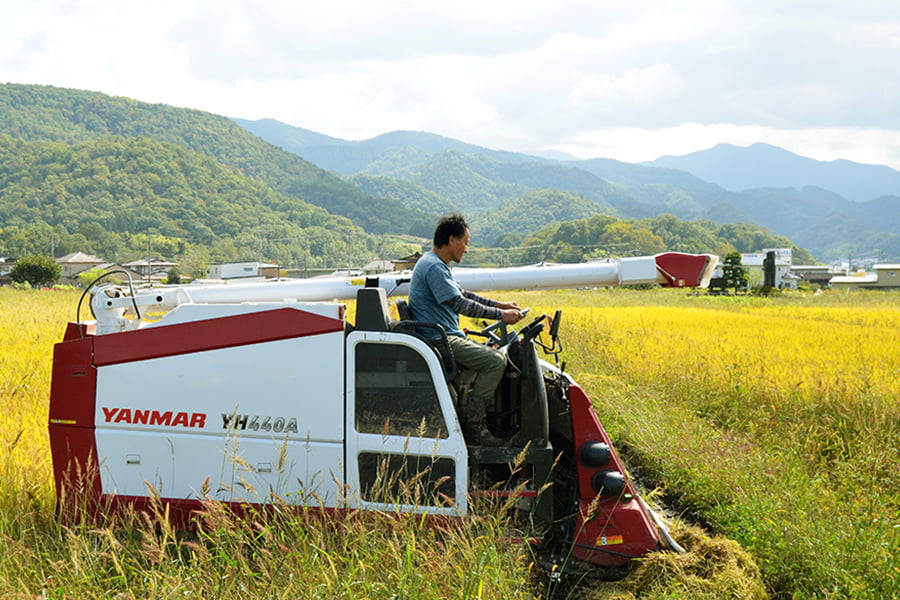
(775, 422)
(771, 426)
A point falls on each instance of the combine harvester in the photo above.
(264, 392)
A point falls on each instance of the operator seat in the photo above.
(403, 310)
(372, 312)
(441, 346)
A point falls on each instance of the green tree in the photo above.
(173, 276)
(86, 278)
(624, 238)
(36, 269)
(734, 273)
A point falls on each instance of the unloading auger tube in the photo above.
(114, 309)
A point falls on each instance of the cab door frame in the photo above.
(452, 447)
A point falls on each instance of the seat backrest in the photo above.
(441, 345)
(372, 312)
(403, 310)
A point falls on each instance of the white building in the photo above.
(882, 277)
(243, 270)
(753, 262)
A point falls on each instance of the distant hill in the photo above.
(129, 197)
(534, 210)
(788, 194)
(884, 211)
(792, 207)
(47, 113)
(401, 181)
(350, 157)
(141, 184)
(477, 183)
(471, 178)
(763, 166)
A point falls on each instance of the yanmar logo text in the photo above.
(154, 417)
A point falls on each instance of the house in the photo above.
(855, 281)
(378, 266)
(6, 265)
(72, 264)
(817, 274)
(151, 269)
(888, 276)
(124, 272)
(393, 265)
(407, 262)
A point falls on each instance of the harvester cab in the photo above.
(519, 415)
(520, 394)
(261, 393)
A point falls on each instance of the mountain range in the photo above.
(84, 171)
(834, 209)
(762, 165)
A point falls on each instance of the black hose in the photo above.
(88, 289)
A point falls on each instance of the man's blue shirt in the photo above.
(431, 287)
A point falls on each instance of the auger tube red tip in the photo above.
(678, 269)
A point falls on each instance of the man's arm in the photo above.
(474, 306)
(478, 307)
(489, 302)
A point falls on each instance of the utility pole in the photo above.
(147, 260)
(260, 240)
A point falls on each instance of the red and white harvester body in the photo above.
(263, 392)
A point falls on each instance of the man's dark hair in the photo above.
(453, 225)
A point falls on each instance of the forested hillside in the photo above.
(478, 180)
(81, 171)
(408, 194)
(141, 184)
(514, 220)
(123, 198)
(603, 237)
(45, 113)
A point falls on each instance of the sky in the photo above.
(630, 81)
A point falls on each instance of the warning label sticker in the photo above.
(609, 540)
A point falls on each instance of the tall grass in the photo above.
(775, 421)
(30, 323)
(281, 553)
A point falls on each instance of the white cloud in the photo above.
(618, 80)
(636, 88)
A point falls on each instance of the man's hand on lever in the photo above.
(510, 312)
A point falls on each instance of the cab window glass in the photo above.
(407, 479)
(395, 393)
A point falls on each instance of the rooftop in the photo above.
(79, 258)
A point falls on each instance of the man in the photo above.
(435, 297)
